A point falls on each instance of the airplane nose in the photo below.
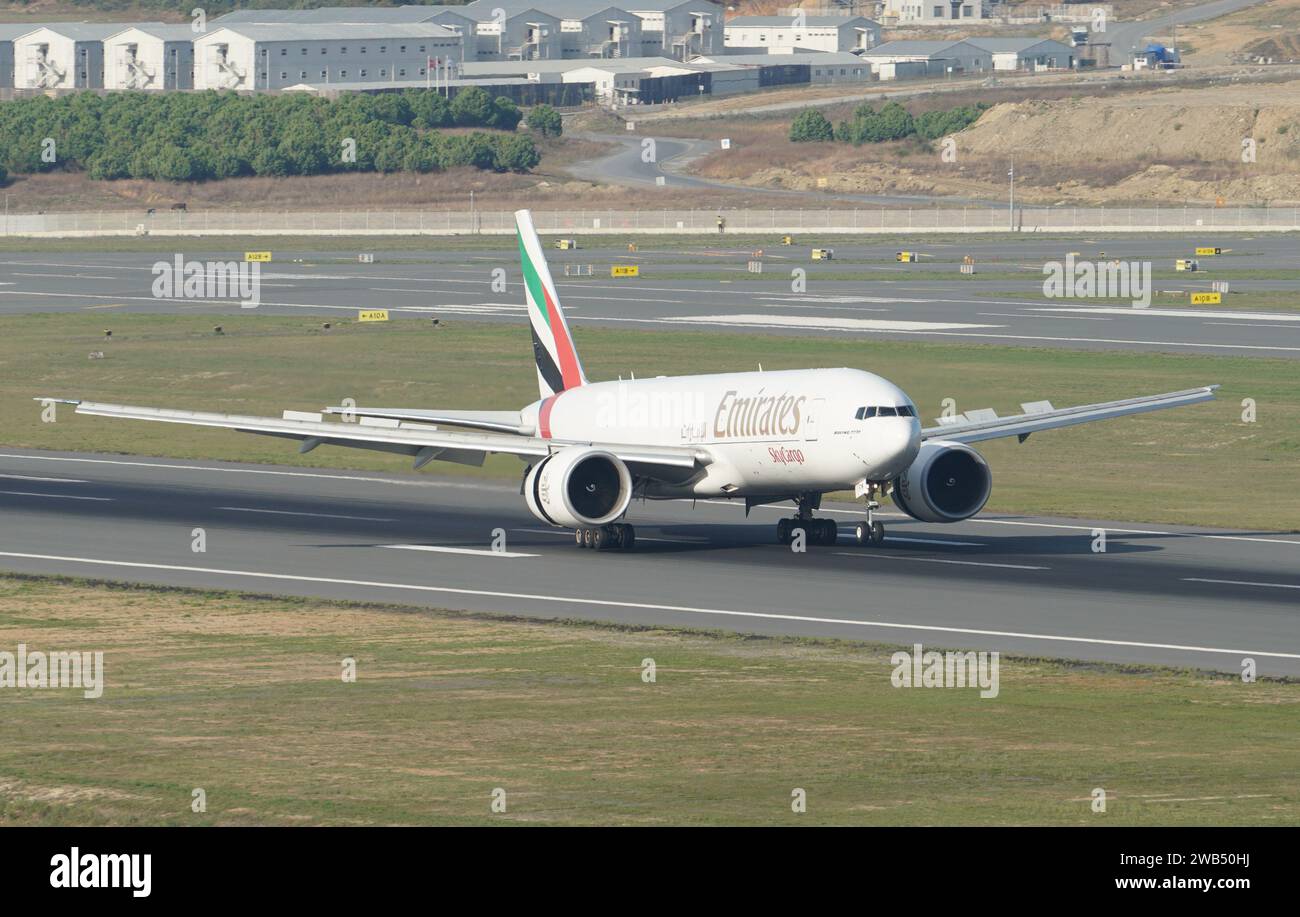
(896, 447)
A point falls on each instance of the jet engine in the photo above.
(947, 482)
(578, 487)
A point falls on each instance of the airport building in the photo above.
(783, 34)
(799, 67)
(8, 33)
(150, 57)
(61, 56)
(262, 56)
(900, 59)
(931, 12)
(1031, 54)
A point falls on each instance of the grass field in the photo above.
(242, 696)
(1193, 465)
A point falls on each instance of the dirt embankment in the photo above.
(1164, 145)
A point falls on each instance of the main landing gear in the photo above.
(816, 531)
(618, 536)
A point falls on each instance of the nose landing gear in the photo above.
(871, 531)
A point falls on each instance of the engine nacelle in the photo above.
(947, 482)
(578, 487)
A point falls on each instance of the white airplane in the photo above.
(761, 437)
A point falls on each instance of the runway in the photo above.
(707, 285)
(1158, 594)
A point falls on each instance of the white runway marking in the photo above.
(285, 512)
(569, 535)
(805, 321)
(953, 544)
(1249, 325)
(1112, 529)
(68, 276)
(685, 609)
(1063, 318)
(287, 474)
(976, 520)
(1237, 582)
(438, 549)
(456, 485)
(958, 334)
(32, 477)
(24, 493)
(1177, 313)
(937, 560)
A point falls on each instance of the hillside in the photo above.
(1162, 145)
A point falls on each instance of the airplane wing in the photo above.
(422, 441)
(974, 426)
(496, 421)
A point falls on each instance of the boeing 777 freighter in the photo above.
(760, 437)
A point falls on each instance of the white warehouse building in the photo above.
(9, 32)
(150, 57)
(62, 56)
(1031, 54)
(265, 56)
(931, 57)
(679, 29)
(932, 12)
(782, 34)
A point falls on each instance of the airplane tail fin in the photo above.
(558, 366)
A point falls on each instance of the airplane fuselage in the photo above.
(775, 432)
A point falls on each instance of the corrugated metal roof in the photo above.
(565, 9)
(81, 31)
(11, 30)
(162, 31)
(892, 48)
(816, 58)
(620, 64)
(777, 22)
(338, 14)
(287, 31)
(1015, 44)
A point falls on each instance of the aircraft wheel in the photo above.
(783, 532)
(577, 538)
(588, 538)
(877, 533)
(862, 533)
(830, 532)
(628, 538)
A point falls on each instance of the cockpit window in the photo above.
(903, 410)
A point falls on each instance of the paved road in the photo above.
(1131, 36)
(1004, 303)
(1159, 594)
(633, 166)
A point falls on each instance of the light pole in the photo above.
(1011, 198)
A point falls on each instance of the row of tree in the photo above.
(892, 122)
(210, 135)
